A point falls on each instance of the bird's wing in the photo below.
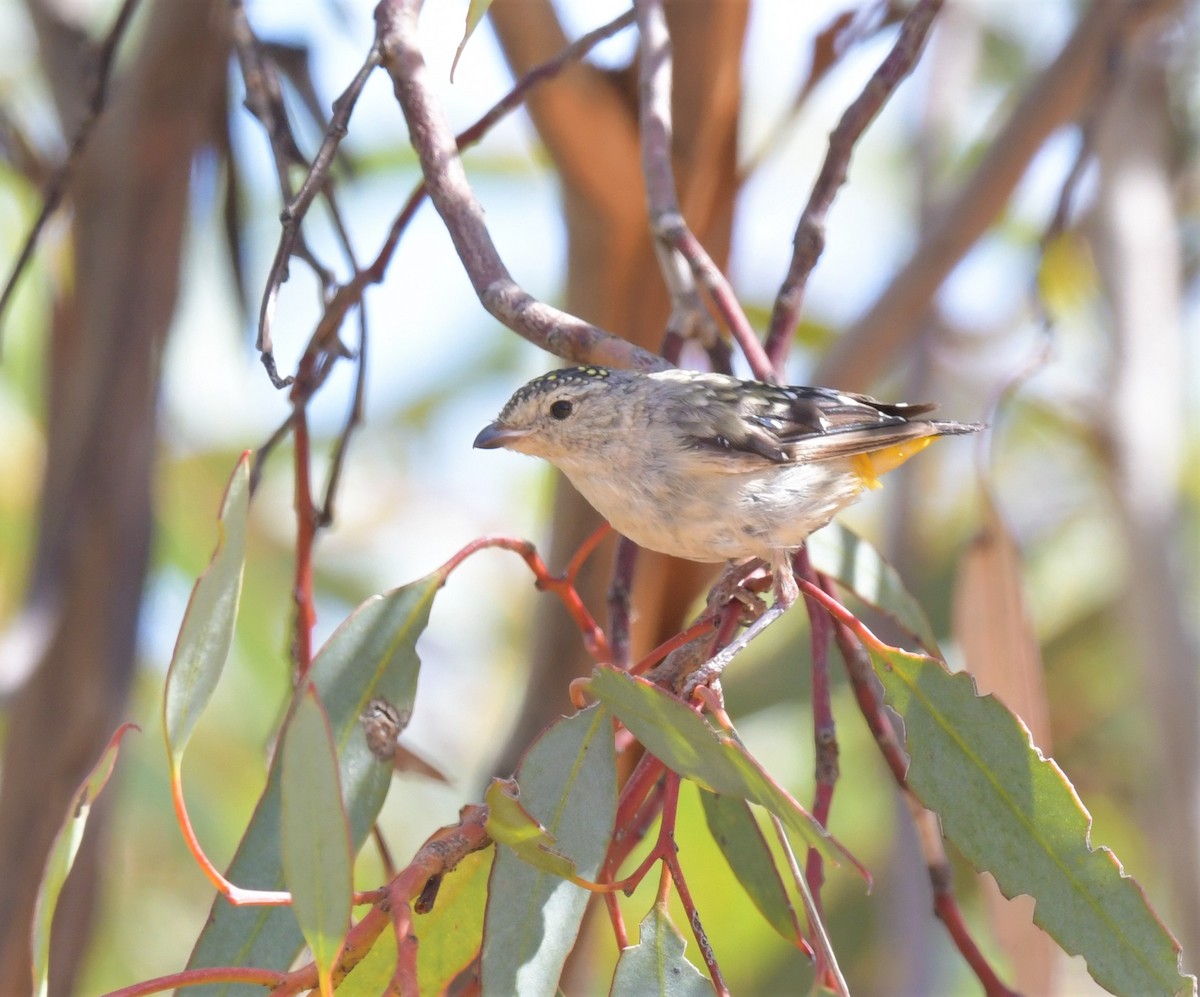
(782, 425)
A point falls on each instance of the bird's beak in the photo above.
(495, 435)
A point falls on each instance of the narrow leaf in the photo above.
(568, 784)
(475, 11)
(711, 759)
(370, 656)
(736, 832)
(656, 964)
(1013, 813)
(62, 854)
(996, 634)
(207, 631)
(317, 861)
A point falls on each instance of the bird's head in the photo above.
(560, 414)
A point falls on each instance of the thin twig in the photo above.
(824, 728)
(620, 590)
(827, 964)
(316, 181)
(675, 244)
(809, 240)
(350, 294)
(66, 172)
(554, 330)
(353, 420)
(1053, 99)
(847, 29)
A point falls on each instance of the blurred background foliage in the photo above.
(439, 367)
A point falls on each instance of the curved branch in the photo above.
(549, 327)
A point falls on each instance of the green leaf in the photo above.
(62, 854)
(568, 784)
(452, 933)
(851, 560)
(732, 825)
(475, 11)
(207, 631)
(655, 965)
(317, 861)
(371, 655)
(1013, 813)
(713, 760)
(511, 824)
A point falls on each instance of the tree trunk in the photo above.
(130, 201)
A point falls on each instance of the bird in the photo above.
(710, 467)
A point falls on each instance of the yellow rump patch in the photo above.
(872, 466)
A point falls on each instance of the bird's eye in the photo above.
(560, 409)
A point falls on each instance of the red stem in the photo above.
(562, 586)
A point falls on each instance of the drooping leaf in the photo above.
(511, 824)
(710, 758)
(207, 631)
(732, 825)
(62, 854)
(1013, 813)
(656, 964)
(317, 860)
(995, 632)
(568, 784)
(371, 655)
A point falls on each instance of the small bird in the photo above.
(709, 467)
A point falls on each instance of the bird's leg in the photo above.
(731, 587)
(786, 593)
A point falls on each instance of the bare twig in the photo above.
(619, 591)
(549, 327)
(314, 183)
(809, 241)
(674, 241)
(62, 177)
(846, 30)
(350, 294)
(824, 730)
(353, 420)
(1055, 97)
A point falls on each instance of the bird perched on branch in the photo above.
(709, 467)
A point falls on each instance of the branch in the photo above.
(809, 241)
(546, 326)
(681, 256)
(1059, 95)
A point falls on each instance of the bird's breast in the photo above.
(702, 515)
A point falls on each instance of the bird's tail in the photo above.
(874, 464)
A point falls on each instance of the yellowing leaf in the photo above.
(475, 11)
(1067, 275)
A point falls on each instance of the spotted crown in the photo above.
(554, 378)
